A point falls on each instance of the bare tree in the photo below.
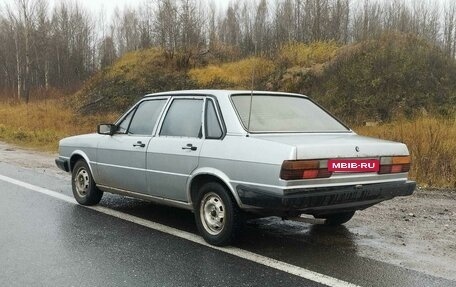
(230, 30)
(192, 23)
(261, 27)
(107, 52)
(284, 22)
(339, 19)
(41, 37)
(166, 26)
(22, 17)
(128, 34)
(211, 26)
(449, 29)
(9, 57)
(369, 20)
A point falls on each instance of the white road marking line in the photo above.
(42, 190)
(260, 259)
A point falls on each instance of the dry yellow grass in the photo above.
(42, 124)
(432, 144)
(237, 74)
(307, 55)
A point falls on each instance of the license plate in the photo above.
(353, 165)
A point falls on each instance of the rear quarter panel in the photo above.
(246, 160)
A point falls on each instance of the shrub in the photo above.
(235, 74)
(307, 55)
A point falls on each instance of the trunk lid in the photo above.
(337, 145)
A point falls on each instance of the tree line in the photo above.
(62, 46)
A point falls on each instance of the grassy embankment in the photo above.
(432, 141)
(40, 125)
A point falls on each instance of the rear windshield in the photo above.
(277, 113)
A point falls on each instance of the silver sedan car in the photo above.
(227, 154)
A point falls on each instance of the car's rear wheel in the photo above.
(218, 218)
(84, 189)
(337, 218)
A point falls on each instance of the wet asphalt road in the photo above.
(48, 242)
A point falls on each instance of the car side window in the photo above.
(146, 116)
(123, 126)
(183, 118)
(213, 127)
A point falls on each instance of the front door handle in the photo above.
(190, 147)
(140, 144)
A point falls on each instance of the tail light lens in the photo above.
(394, 164)
(304, 169)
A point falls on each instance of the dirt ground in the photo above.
(416, 232)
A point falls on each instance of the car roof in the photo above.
(221, 93)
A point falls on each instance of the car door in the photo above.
(122, 157)
(173, 154)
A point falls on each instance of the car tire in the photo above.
(337, 218)
(218, 217)
(84, 189)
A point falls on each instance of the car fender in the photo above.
(84, 156)
(216, 173)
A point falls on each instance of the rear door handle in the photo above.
(140, 144)
(190, 147)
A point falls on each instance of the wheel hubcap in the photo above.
(212, 213)
(81, 182)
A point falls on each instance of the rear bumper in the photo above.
(324, 200)
(62, 164)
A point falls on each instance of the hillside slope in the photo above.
(376, 80)
(396, 75)
(132, 76)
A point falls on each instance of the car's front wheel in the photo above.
(218, 218)
(337, 218)
(84, 189)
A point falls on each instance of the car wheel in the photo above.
(337, 218)
(218, 218)
(84, 189)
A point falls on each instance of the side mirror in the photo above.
(106, 129)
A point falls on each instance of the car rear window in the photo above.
(279, 113)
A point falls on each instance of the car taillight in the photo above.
(394, 164)
(304, 169)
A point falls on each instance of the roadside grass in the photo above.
(41, 124)
(431, 140)
(432, 145)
